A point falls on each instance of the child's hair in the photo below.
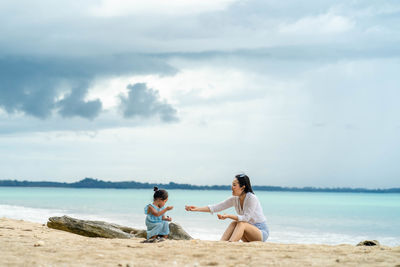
(160, 194)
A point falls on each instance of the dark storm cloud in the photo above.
(145, 102)
(73, 105)
(33, 84)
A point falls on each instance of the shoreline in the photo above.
(26, 243)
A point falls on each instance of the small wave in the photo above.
(41, 215)
(38, 215)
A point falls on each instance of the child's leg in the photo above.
(165, 229)
(156, 229)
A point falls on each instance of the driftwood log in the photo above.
(108, 230)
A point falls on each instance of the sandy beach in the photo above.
(25, 243)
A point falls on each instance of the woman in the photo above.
(250, 223)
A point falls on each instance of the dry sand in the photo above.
(31, 244)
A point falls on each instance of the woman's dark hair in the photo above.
(160, 194)
(244, 180)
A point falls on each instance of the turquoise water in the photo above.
(293, 217)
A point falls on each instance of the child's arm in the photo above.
(158, 213)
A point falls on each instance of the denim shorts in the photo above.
(264, 230)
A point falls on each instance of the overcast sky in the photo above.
(293, 93)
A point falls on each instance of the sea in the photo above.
(292, 217)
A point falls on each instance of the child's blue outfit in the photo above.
(155, 225)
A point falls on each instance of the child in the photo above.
(156, 222)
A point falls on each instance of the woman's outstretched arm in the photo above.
(194, 208)
(213, 208)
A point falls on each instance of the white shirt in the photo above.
(251, 212)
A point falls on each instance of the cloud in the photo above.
(113, 8)
(74, 105)
(321, 24)
(254, 36)
(145, 102)
(24, 87)
(35, 85)
(224, 25)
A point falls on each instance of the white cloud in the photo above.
(108, 90)
(196, 85)
(114, 8)
(321, 24)
(204, 83)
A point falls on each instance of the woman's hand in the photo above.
(168, 219)
(169, 207)
(222, 217)
(190, 208)
(227, 216)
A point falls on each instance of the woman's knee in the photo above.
(241, 224)
(234, 223)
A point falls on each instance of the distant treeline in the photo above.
(95, 183)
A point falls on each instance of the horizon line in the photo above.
(171, 183)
